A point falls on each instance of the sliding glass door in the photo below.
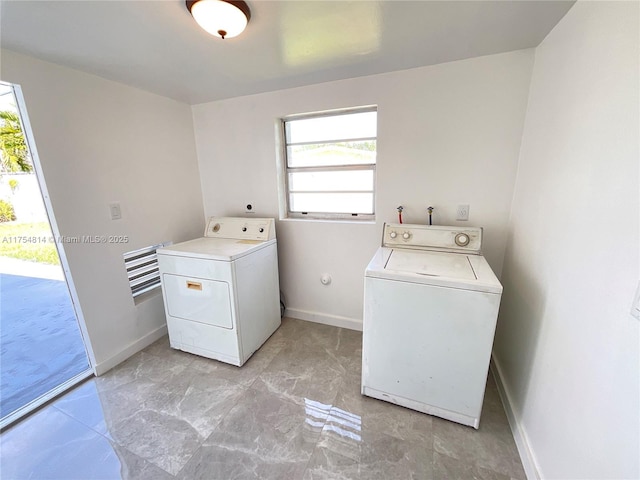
(42, 348)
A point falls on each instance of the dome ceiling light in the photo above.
(222, 18)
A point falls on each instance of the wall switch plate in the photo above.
(463, 212)
(114, 210)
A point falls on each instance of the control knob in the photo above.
(244, 229)
(261, 230)
(393, 234)
(462, 239)
(406, 235)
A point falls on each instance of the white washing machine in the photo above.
(221, 292)
(430, 311)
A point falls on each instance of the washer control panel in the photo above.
(429, 237)
(257, 229)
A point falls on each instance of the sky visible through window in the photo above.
(7, 100)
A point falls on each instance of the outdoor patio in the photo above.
(41, 345)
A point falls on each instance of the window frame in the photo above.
(285, 169)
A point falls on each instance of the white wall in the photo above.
(101, 142)
(566, 345)
(447, 134)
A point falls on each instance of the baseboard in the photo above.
(325, 319)
(133, 348)
(519, 434)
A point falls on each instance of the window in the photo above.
(142, 269)
(330, 164)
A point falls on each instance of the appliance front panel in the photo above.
(198, 300)
(428, 344)
(205, 340)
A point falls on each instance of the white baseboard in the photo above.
(133, 348)
(325, 319)
(519, 434)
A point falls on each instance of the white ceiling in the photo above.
(156, 45)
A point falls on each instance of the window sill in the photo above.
(329, 220)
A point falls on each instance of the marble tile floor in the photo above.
(293, 411)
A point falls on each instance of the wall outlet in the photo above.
(463, 212)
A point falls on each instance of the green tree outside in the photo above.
(13, 146)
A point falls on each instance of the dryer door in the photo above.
(199, 300)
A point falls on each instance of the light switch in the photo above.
(114, 209)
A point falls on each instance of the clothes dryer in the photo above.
(221, 292)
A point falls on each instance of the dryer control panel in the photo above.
(429, 237)
(256, 229)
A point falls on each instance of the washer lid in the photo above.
(223, 249)
(454, 270)
(431, 263)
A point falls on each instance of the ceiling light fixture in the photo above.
(223, 18)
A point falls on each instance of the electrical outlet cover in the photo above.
(463, 212)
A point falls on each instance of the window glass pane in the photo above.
(359, 180)
(332, 202)
(332, 128)
(344, 153)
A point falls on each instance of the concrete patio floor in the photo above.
(41, 345)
